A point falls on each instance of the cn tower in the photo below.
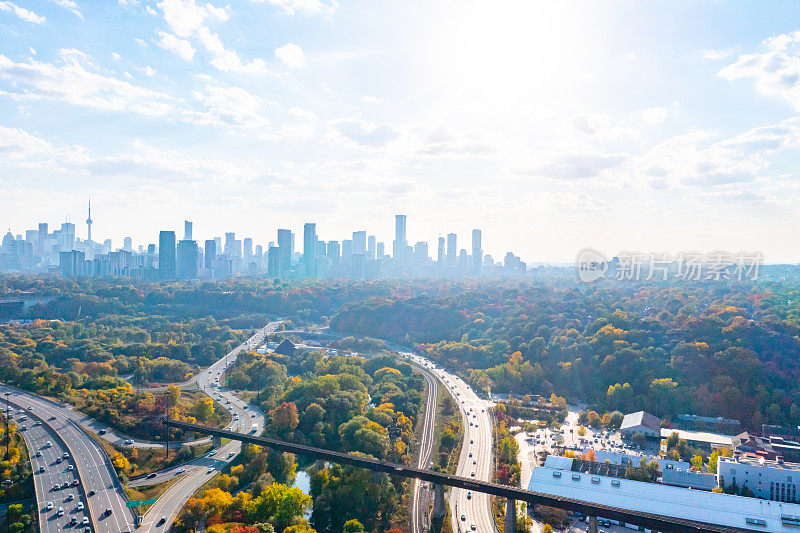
(89, 222)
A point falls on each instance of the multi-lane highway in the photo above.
(97, 476)
(244, 416)
(468, 511)
(420, 496)
(51, 469)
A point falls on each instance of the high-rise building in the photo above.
(452, 250)
(72, 263)
(286, 250)
(477, 252)
(380, 250)
(210, 254)
(440, 252)
(187, 230)
(359, 242)
(230, 244)
(166, 255)
(400, 241)
(309, 248)
(42, 237)
(187, 260)
(371, 247)
(127, 244)
(247, 243)
(274, 261)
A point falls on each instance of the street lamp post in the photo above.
(166, 403)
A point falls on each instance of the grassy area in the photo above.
(150, 491)
(146, 460)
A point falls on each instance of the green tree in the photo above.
(353, 526)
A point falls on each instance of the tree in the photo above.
(547, 528)
(284, 417)
(353, 526)
(697, 462)
(581, 431)
(173, 395)
(204, 409)
(299, 528)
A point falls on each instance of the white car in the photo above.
(80, 506)
(180, 471)
(49, 506)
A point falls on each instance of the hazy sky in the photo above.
(649, 126)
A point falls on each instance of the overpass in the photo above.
(650, 521)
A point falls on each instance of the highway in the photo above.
(420, 495)
(200, 470)
(469, 511)
(96, 474)
(36, 437)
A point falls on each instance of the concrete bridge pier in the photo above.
(216, 442)
(510, 523)
(439, 507)
(592, 525)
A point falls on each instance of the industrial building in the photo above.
(724, 510)
(641, 422)
(769, 480)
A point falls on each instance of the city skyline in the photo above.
(361, 257)
(639, 126)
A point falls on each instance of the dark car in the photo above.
(92, 493)
(101, 432)
(108, 512)
(151, 476)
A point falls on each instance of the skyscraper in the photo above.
(477, 252)
(400, 242)
(371, 247)
(285, 251)
(230, 244)
(187, 260)
(166, 255)
(452, 250)
(127, 244)
(359, 242)
(187, 230)
(440, 252)
(309, 248)
(210, 254)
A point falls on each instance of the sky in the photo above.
(660, 126)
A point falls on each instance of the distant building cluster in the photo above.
(360, 257)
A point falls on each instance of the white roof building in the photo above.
(724, 510)
(713, 440)
(641, 422)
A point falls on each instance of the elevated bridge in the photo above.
(650, 521)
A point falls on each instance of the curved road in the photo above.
(420, 497)
(162, 513)
(96, 474)
(56, 471)
(476, 458)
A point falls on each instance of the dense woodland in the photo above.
(713, 349)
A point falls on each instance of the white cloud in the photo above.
(69, 5)
(24, 14)
(309, 7)
(302, 113)
(230, 107)
(714, 55)
(578, 165)
(115, 56)
(360, 132)
(72, 81)
(25, 150)
(775, 72)
(148, 71)
(189, 20)
(654, 116)
(183, 48)
(291, 55)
